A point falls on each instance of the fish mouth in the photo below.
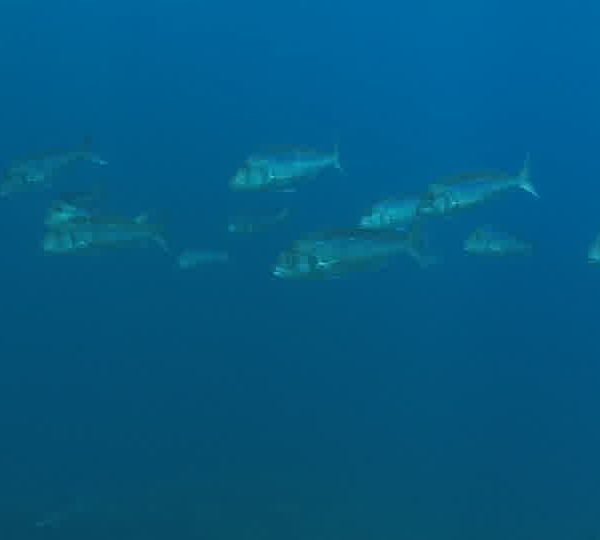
(279, 272)
(282, 272)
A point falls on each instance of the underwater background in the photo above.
(138, 401)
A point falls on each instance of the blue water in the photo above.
(141, 402)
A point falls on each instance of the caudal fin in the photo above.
(162, 242)
(525, 182)
(89, 153)
(336, 158)
(416, 248)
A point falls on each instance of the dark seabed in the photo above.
(458, 402)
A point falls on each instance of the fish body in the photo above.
(492, 243)
(38, 172)
(249, 225)
(594, 251)
(392, 214)
(193, 258)
(280, 171)
(471, 190)
(294, 163)
(334, 253)
(99, 233)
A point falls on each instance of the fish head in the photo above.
(372, 220)
(57, 241)
(248, 178)
(62, 212)
(594, 253)
(295, 265)
(34, 176)
(436, 203)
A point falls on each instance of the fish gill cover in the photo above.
(160, 378)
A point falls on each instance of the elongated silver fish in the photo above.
(489, 242)
(470, 190)
(101, 233)
(38, 172)
(280, 171)
(193, 258)
(256, 224)
(392, 214)
(334, 253)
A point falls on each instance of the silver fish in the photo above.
(249, 225)
(38, 172)
(470, 190)
(100, 233)
(489, 242)
(334, 253)
(281, 171)
(194, 258)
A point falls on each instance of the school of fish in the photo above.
(76, 223)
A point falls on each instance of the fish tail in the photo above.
(525, 182)
(98, 160)
(336, 158)
(162, 242)
(88, 142)
(415, 245)
(283, 214)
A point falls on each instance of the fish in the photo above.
(249, 225)
(473, 189)
(594, 251)
(38, 172)
(332, 254)
(396, 213)
(100, 233)
(282, 170)
(489, 242)
(70, 207)
(58, 518)
(193, 258)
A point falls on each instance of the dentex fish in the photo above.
(334, 253)
(396, 213)
(70, 207)
(257, 224)
(101, 233)
(594, 251)
(468, 190)
(193, 258)
(282, 170)
(492, 243)
(38, 172)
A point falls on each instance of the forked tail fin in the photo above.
(525, 182)
(416, 248)
(336, 158)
